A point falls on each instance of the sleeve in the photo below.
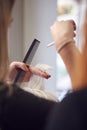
(25, 111)
(70, 114)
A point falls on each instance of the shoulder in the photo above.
(74, 102)
(15, 97)
(70, 113)
(22, 109)
(27, 99)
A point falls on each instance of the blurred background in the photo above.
(32, 19)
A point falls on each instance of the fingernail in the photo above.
(27, 67)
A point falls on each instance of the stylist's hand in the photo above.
(63, 32)
(25, 77)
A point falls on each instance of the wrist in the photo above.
(64, 44)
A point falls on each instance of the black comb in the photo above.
(28, 57)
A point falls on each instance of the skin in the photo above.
(74, 60)
(13, 67)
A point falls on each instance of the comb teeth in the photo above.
(31, 51)
(28, 57)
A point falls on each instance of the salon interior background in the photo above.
(32, 19)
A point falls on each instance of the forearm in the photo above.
(69, 54)
(76, 63)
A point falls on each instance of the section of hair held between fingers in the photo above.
(38, 71)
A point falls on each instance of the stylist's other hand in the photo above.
(28, 72)
(63, 32)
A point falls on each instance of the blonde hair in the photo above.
(41, 93)
(36, 87)
(5, 12)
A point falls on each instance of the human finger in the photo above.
(39, 72)
(20, 65)
(72, 22)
